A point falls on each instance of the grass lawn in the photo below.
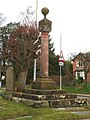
(78, 89)
(12, 109)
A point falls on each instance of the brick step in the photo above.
(69, 103)
(59, 103)
(43, 97)
(44, 92)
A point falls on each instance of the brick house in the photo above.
(81, 67)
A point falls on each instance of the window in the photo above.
(80, 74)
(79, 63)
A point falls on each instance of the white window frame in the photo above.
(82, 74)
(79, 64)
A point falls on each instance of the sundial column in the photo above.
(44, 83)
(44, 54)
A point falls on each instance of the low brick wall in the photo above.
(68, 103)
(50, 98)
(54, 103)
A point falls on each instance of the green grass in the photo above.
(12, 109)
(78, 89)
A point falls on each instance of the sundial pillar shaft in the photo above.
(44, 28)
(44, 54)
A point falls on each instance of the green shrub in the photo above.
(78, 81)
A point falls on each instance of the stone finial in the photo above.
(45, 11)
(45, 24)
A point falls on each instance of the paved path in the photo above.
(81, 112)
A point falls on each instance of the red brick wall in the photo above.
(74, 68)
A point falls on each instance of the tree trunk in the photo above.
(21, 81)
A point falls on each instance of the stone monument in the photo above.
(10, 79)
(43, 92)
(44, 83)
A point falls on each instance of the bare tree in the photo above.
(2, 19)
(22, 46)
(27, 17)
(21, 50)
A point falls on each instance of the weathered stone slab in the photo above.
(44, 92)
(10, 79)
(39, 97)
(44, 84)
(68, 103)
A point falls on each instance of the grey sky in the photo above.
(71, 18)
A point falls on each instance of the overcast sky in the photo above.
(71, 18)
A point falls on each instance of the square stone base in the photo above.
(43, 84)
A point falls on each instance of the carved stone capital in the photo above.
(45, 25)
